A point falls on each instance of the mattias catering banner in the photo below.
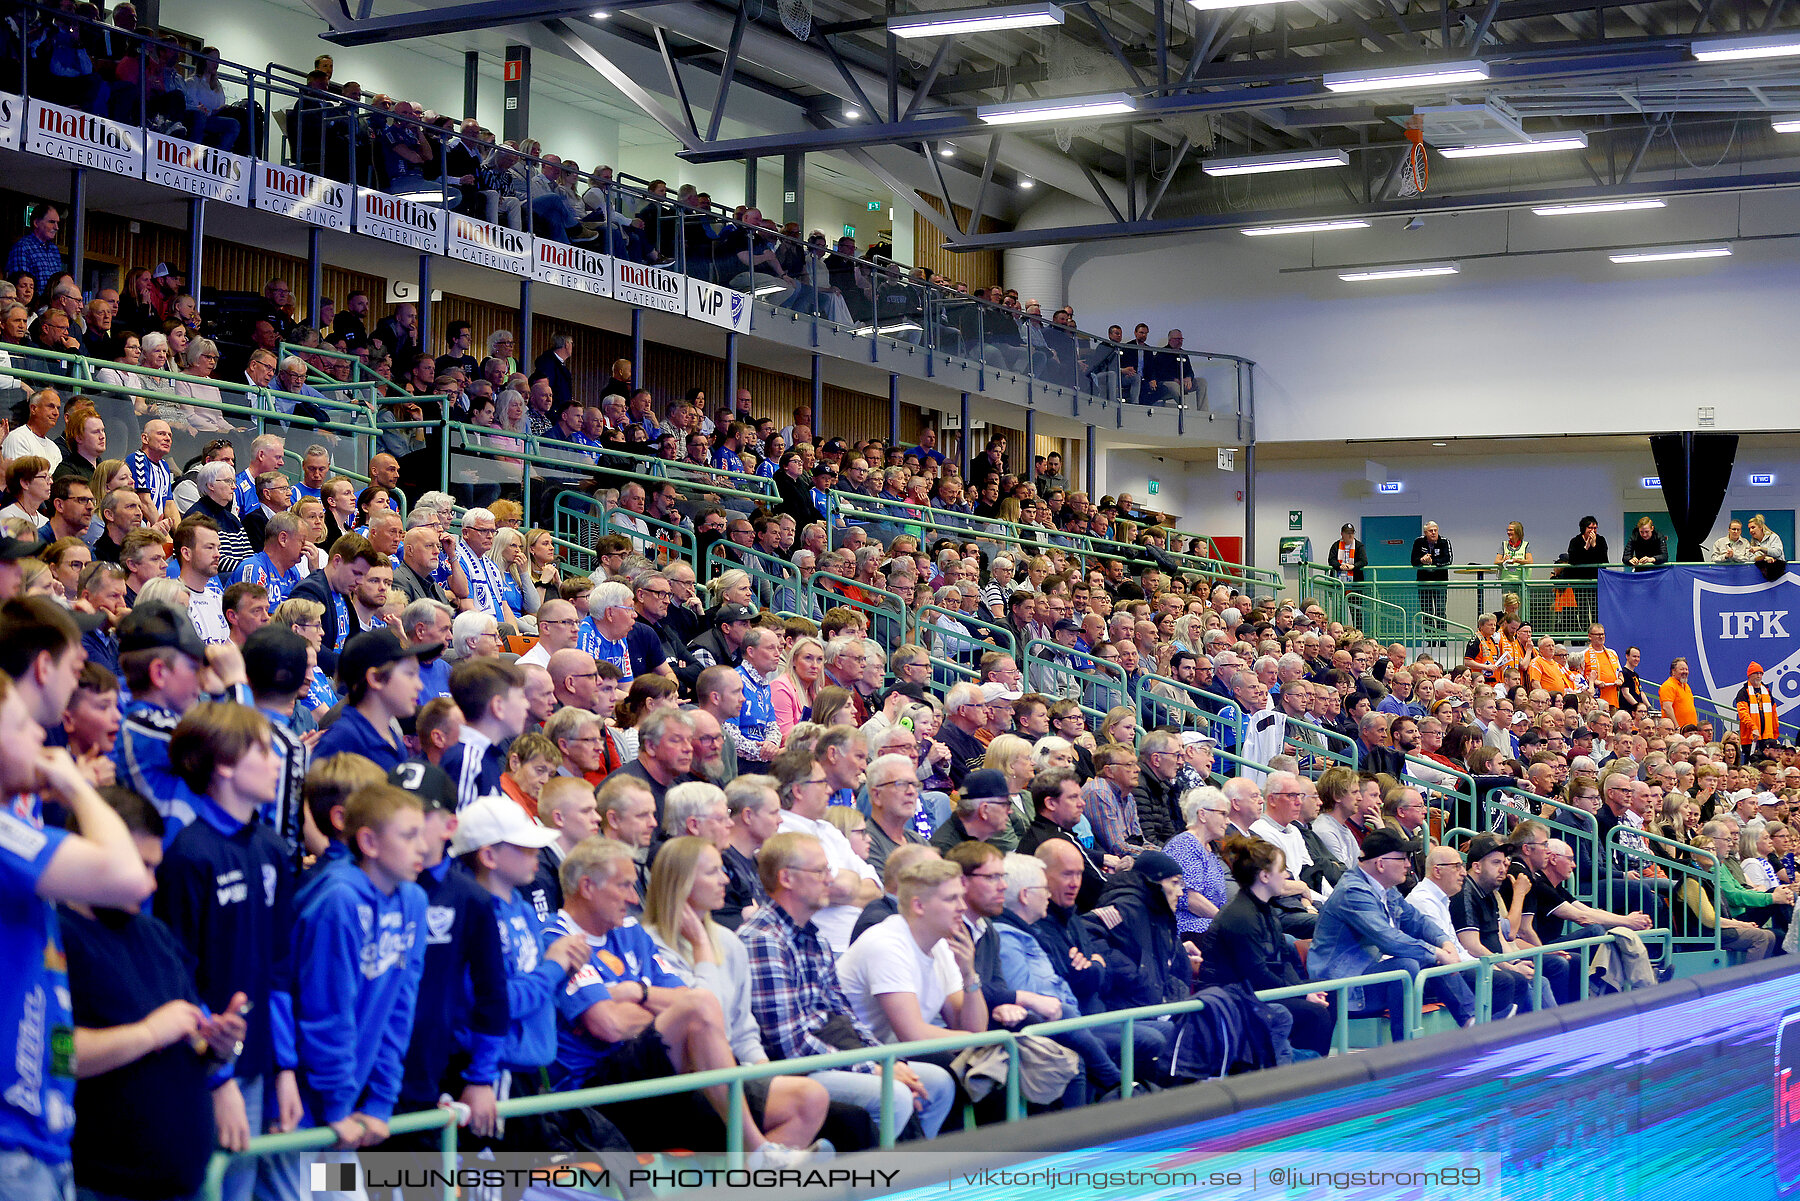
(1721, 619)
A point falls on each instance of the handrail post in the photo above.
(1015, 1108)
(1128, 1058)
(449, 1158)
(888, 1134)
(734, 1123)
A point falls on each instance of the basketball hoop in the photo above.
(1415, 168)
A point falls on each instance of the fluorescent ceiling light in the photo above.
(853, 114)
(1407, 271)
(1670, 254)
(599, 14)
(1304, 227)
(1287, 160)
(1719, 50)
(765, 289)
(1387, 78)
(947, 150)
(1571, 141)
(1025, 181)
(975, 20)
(1065, 108)
(1787, 125)
(1210, 5)
(1582, 208)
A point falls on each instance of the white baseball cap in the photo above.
(992, 691)
(495, 819)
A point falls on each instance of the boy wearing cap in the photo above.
(491, 696)
(275, 666)
(380, 682)
(226, 888)
(160, 656)
(461, 1016)
(501, 848)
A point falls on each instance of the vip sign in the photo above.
(571, 267)
(649, 287)
(12, 121)
(202, 171)
(718, 306)
(303, 196)
(396, 219)
(84, 140)
(489, 245)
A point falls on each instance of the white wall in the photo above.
(1554, 343)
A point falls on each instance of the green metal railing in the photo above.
(1695, 946)
(1484, 967)
(1085, 687)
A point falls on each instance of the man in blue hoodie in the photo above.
(359, 953)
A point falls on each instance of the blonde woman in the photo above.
(540, 549)
(796, 685)
(852, 825)
(731, 588)
(1120, 726)
(688, 882)
(198, 364)
(1011, 756)
(516, 585)
(1514, 556)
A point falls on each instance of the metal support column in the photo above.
(793, 187)
(1250, 504)
(315, 275)
(424, 304)
(1087, 481)
(637, 347)
(471, 82)
(893, 409)
(515, 74)
(196, 243)
(1030, 455)
(818, 392)
(731, 372)
(963, 454)
(78, 233)
(523, 344)
(750, 182)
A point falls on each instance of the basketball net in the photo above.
(1415, 169)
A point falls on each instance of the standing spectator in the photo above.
(36, 251)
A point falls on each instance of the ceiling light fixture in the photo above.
(975, 20)
(853, 114)
(1025, 181)
(1408, 271)
(1062, 108)
(1211, 5)
(1787, 125)
(946, 149)
(1671, 254)
(1720, 50)
(1571, 141)
(899, 327)
(1286, 160)
(1303, 227)
(599, 14)
(1391, 78)
(1582, 208)
(765, 289)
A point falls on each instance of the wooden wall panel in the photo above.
(669, 370)
(977, 268)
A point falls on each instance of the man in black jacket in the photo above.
(1158, 804)
(1431, 555)
(335, 587)
(553, 365)
(1056, 794)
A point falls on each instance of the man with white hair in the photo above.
(266, 451)
(611, 632)
(483, 574)
(965, 713)
(474, 634)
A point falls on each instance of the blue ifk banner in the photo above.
(1721, 619)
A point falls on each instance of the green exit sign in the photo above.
(1155, 487)
(874, 206)
(849, 231)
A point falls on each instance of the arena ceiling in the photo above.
(1205, 85)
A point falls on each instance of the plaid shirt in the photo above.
(1114, 818)
(31, 253)
(794, 986)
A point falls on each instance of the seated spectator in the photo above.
(1245, 944)
(902, 977)
(1148, 963)
(666, 1030)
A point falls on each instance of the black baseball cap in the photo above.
(835, 447)
(156, 625)
(275, 660)
(731, 613)
(987, 784)
(1383, 841)
(14, 549)
(1483, 845)
(824, 468)
(376, 648)
(427, 781)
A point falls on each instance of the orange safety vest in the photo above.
(1489, 654)
(1601, 667)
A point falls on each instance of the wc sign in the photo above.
(723, 307)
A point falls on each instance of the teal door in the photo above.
(1394, 592)
(1781, 524)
